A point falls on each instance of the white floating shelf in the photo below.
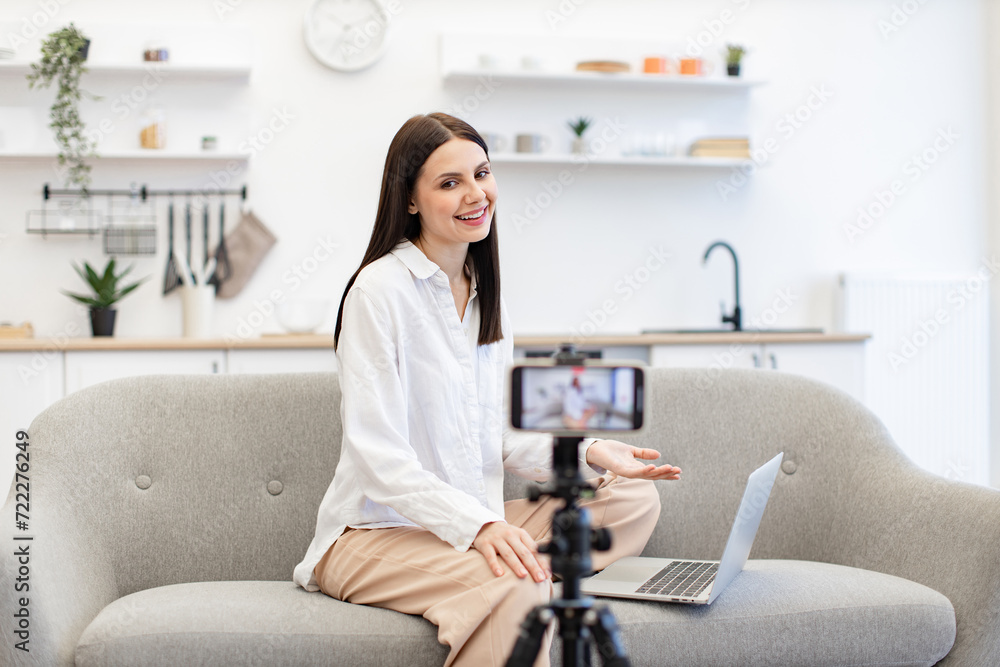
(167, 70)
(136, 155)
(676, 82)
(637, 160)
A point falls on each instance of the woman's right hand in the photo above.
(514, 545)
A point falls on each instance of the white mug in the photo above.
(489, 61)
(532, 143)
(494, 142)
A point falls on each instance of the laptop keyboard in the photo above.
(681, 579)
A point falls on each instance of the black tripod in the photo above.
(580, 620)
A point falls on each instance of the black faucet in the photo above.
(735, 318)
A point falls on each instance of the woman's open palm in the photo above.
(622, 459)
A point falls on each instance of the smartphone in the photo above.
(576, 400)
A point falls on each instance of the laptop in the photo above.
(691, 581)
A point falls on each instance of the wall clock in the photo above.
(347, 35)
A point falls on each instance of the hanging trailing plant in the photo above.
(64, 53)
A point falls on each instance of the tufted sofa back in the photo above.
(180, 478)
(194, 478)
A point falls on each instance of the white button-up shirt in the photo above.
(425, 435)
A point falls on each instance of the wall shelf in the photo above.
(137, 155)
(167, 70)
(658, 82)
(539, 79)
(637, 160)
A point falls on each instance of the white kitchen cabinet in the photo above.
(282, 361)
(839, 364)
(86, 367)
(32, 380)
(716, 355)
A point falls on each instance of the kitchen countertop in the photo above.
(700, 338)
(325, 340)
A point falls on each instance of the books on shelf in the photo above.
(720, 147)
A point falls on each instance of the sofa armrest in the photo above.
(898, 519)
(846, 494)
(64, 580)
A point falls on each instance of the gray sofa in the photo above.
(167, 513)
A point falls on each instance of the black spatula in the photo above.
(222, 268)
(171, 279)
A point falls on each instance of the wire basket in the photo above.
(130, 240)
(77, 216)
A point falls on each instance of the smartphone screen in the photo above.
(576, 399)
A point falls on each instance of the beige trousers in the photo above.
(478, 614)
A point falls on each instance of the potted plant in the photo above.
(579, 126)
(64, 53)
(734, 56)
(107, 292)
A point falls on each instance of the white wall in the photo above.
(891, 95)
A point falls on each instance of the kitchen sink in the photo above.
(744, 331)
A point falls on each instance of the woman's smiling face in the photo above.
(455, 194)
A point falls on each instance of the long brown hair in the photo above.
(414, 142)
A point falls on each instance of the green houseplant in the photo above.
(107, 293)
(734, 56)
(64, 53)
(579, 126)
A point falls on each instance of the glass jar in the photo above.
(155, 51)
(153, 128)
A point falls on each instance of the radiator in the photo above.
(927, 366)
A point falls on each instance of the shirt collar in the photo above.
(414, 260)
(422, 268)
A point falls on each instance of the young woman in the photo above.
(414, 519)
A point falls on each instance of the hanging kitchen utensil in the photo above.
(247, 245)
(171, 279)
(223, 270)
(187, 231)
(204, 234)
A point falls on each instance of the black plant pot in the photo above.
(84, 49)
(102, 321)
(733, 70)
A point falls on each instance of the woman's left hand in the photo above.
(621, 459)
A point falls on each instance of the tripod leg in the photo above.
(529, 639)
(607, 636)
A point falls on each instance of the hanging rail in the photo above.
(143, 192)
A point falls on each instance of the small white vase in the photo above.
(580, 146)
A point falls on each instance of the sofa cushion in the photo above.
(252, 623)
(774, 613)
(783, 612)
